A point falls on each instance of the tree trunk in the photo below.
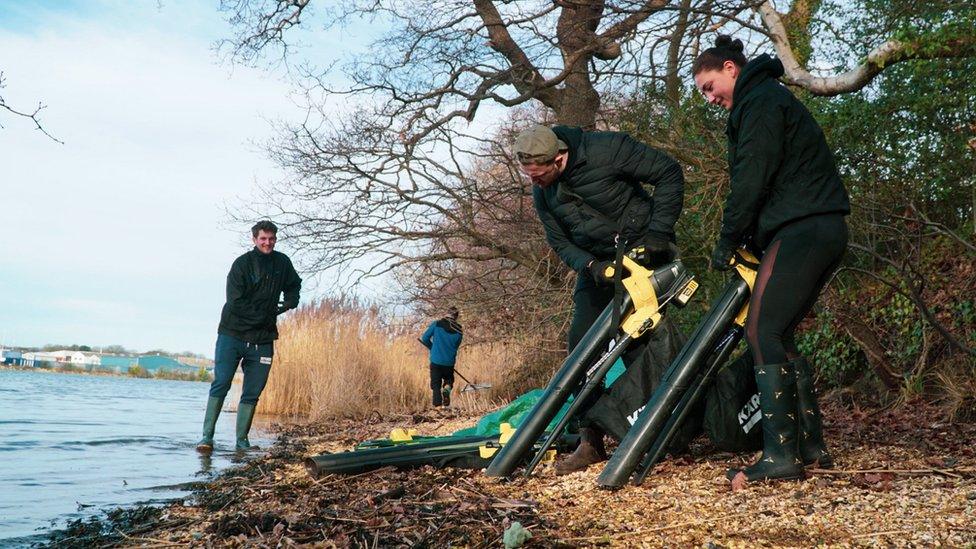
(575, 31)
(579, 102)
(672, 80)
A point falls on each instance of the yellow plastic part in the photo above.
(486, 452)
(646, 314)
(505, 433)
(749, 275)
(402, 435)
(549, 457)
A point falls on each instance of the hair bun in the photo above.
(726, 42)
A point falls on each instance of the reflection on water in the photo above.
(72, 444)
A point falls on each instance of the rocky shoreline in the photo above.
(902, 480)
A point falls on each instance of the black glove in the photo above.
(653, 250)
(598, 270)
(722, 256)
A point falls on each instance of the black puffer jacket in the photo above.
(254, 285)
(781, 167)
(607, 171)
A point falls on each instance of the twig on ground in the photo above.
(955, 473)
(884, 533)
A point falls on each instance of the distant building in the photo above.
(11, 357)
(120, 364)
(92, 361)
(37, 359)
(153, 363)
(77, 358)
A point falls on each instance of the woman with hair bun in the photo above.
(787, 202)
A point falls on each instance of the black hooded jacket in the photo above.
(781, 167)
(607, 171)
(254, 285)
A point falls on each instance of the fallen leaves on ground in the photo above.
(900, 480)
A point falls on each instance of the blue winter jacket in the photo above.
(443, 338)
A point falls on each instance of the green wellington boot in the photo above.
(446, 395)
(813, 450)
(245, 415)
(205, 446)
(780, 459)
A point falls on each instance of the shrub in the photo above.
(138, 371)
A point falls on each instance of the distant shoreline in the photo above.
(96, 373)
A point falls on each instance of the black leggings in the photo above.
(794, 269)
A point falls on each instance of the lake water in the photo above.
(72, 444)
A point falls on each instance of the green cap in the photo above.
(537, 144)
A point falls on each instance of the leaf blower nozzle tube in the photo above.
(676, 380)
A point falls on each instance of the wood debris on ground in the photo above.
(902, 479)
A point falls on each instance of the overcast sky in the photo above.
(119, 236)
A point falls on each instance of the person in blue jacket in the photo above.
(443, 337)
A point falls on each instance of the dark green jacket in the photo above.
(607, 171)
(781, 167)
(254, 285)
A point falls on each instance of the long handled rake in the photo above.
(472, 386)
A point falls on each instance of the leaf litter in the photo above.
(902, 479)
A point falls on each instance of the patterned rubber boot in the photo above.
(780, 459)
(446, 395)
(813, 449)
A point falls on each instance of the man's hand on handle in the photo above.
(599, 271)
(653, 250)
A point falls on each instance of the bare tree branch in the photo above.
(33, 116)
(887, 54)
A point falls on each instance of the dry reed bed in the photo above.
(338, 360)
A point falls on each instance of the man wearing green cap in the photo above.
(589, 192)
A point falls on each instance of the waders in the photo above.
(640, 308)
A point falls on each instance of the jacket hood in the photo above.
(450, 325)
(573, 137)
(755, 72)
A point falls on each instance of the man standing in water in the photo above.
(248, 328)
(443, 337)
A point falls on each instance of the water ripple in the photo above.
(71, 440)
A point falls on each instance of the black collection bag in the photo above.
(733, 420)
(617, 410)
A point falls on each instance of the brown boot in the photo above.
(589, 451)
